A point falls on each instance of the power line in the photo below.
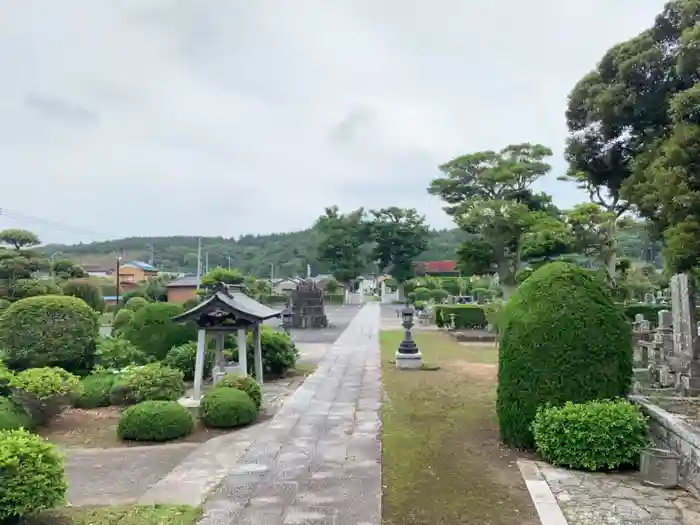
(55, 225)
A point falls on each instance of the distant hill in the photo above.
(252, 254)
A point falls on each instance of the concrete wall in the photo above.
(670, 432)
(181, 294)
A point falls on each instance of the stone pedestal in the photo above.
(191, 404)
(408, 361)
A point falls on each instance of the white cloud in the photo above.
(157, 117)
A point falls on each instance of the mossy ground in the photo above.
(442, 459)
(119, 515)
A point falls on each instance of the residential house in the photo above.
(183, 289)
(98, 270)
(134, 272)
(436, 268)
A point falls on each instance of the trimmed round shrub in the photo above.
(153, 382)
(155, 421)
(95, 391)
(13, 416)
(420, 294)
(279, 353)
(562, 339)
(136, 303)
(247, 384)
(85, 290)
(153, 331)
(121, 319)
(438, 295)
(51, 330)
(32, 476)
(184, 357)
(115, 353)
(597, 435)
(45, 392)
(227, 408)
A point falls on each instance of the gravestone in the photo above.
(686, 352)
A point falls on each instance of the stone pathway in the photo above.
(319, 459)
(619, 499)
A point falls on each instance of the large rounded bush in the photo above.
(153, 382)
(597, 435)
(279, 353)
(136, 303)
(562, 339)
(184, 357)
(85, 290)
(227, 408)
(32, 475)
(115, 353)
(13, 416)
(49, 331)
(155, 421)
(152, 329)
(121, 319)
(249, 385)
(95, 391)
(45, 392)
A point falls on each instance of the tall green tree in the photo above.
(19, 263)
(18, 238)
(488, 193)
(399, 235)
(341, 244)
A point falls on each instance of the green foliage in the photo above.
(121, 319)
(32, 475)
(135, 303)
(483, 294)
(649, 311)
(420, 294)
(13, 416)
(4, 304)
(438, 295)
(153, 331)
(222, 275)
(523, 274)
(66, 269)
(23, 288)
(155, 421)
(95, 391)
(85, 290)
(49, 331)
(45, 392)
(184, 357)
(190, 303)
(493, 313)
(227, 408)
(399, 236)
(152, 382)
(279, 353)
(597, 435)
(467, 316)
(247, 384)
(341, 243)
(18, 238)
(115, 353)
(6, 376)
(334, 298)
(562, 339)
(332, 286)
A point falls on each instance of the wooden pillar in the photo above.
(199, 363)
(258, 354)
(242, 353)
(219, 360)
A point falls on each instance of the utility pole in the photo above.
(199, 262)
(119, 278)
(152, 260)
(229, 262)
(272, 272)
(206, 262)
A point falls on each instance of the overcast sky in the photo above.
(223, 117)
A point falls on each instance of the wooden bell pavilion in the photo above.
(226, 311)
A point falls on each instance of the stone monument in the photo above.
(308, 309)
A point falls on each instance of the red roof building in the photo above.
(436, 267)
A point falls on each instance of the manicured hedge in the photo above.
(466, 315)
(155, 421)
(227, 408)
(562, 339)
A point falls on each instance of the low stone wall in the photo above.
(671, 432)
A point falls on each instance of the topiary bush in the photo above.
(32, 476)
(13, 416)
(247, 384)
(155, 421)
(121, 319)
(438, 295)
(227, 408)
(597, 435)
(184, 357)
(279, 353)
(153, 331)
(85, 290)
(115, 353)
(467, 316)
(45, 392)
(561, 339)
(50, 330)
(136, 303)
(152, 382)
(95, 391)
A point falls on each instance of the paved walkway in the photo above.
(319, 459)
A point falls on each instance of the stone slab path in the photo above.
(318, 460)
(619, 499)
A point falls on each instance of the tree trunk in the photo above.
(610, 253)
(505, 272)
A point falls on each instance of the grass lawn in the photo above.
(119, 515)
(442, 459)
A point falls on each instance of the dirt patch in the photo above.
(486, 371)
(97, 428)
